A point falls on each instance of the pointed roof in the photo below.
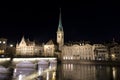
(50, 42)
(22, 43)
(60, 22)
(23, 39)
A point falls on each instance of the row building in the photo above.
(65, 51)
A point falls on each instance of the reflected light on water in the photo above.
(54, 76)
(26, 69)
(20, 77)
(114, 73)
(47, 76)
(14, 74)
(40, 71)
(71, 66)
(15, 70)
(50, 66)
(68, 67)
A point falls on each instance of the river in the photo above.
(67, 72)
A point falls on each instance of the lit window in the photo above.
(0, 42)
(4, 42)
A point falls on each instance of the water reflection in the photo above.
(47, 76)
(26, 70)
(41, 71)
(47, 71)
(78, 72)
(23, 69)
(114, 73)
(4, 73)
(20, 77)
(4, 76)
(88, 72)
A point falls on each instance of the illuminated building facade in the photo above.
(27, 47)
(115, 52)
(83, 51)
(3, 45)
(100, 52)
(70, 51)
(80, 51)
(74, 51)
(49, 48)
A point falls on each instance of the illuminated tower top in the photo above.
(60, 33)
(60, 28)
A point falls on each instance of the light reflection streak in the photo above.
(54, 76)
(44, 68)
(47, 76)
(68, 67)
(40, 71)
(36, 74)
(114, 72)
(20, 76)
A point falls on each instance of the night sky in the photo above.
(94, 21)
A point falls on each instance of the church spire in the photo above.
(60, 22)
(60, 33)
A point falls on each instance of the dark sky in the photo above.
(92, 20)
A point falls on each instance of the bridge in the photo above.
(29, 67)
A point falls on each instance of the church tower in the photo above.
(60, 33)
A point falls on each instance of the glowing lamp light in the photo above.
(113, 55)
(4, 42)
(11, 45)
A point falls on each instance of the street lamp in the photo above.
(11, 45)
(113, 56)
